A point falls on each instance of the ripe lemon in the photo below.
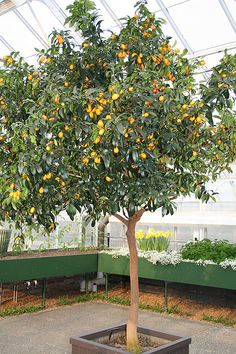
(85, 160)
(143, 155)
(97, 160)
(101, 131)
(108, 179)
(41, 190)
(60, 135)
(100, 124)
(115, 96)
(32, 210)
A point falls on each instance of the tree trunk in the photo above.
(101, 230)
(132, 342)
(131, 333)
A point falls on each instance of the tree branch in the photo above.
(122, 219)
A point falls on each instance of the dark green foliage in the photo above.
(216, 251)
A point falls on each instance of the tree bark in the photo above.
(132, 342)
(101, 229)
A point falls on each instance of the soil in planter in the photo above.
(118, 340)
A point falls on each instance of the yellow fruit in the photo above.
(93, 154)
(49, 175)
(101, 131)
(85, 44)
(219, 142)
(143, 155)
(108, 117)
(115, 96)
(48, 60)
(195, 153)
(146, 114)
(66, 128)
(41, 190)
(199, 120)
(63, 184)
(42, 59)
(77, 196)
(66, 84)
(100, 124)
(48, 148)
(108, 179)
(10, 60)
(60, 135)
(60, 39)
(167, 62)
(32, 210)
(56, 99)
(30, 77)
(113, 36)
(130, 89)
(123, 46)
(97, 160)
(177, 50)
(72, 66)
(85, 160)
(116, 149)
(184, 107)
(178, 120)
(97, 140)
(98, 111)
(44, 117)
(161, 98)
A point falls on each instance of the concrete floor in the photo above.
(48, 332)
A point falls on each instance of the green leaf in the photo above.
(71, 210)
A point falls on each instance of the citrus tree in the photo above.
(117, 125)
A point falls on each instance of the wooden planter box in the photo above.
(184, 272)
(93, 342)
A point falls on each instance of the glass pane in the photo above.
(18, 35)
(203, 23)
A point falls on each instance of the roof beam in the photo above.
(4, 41)
(228, 14)
(32, 30)
(174, 26)
(111, 12)
(60, 15)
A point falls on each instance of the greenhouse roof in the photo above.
(204, 27)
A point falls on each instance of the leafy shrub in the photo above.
(153, 240)
(216, 251)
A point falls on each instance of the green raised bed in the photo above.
(46, 267)
(185, 272)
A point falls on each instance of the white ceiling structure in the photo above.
(205, 27)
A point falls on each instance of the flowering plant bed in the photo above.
(212, 275)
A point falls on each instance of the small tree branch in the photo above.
(122, 219)
(137, 216)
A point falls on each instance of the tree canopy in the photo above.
(118, 123)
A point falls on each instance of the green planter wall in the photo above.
(189, 273)
(46, 267)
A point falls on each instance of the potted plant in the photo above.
(116, 125)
